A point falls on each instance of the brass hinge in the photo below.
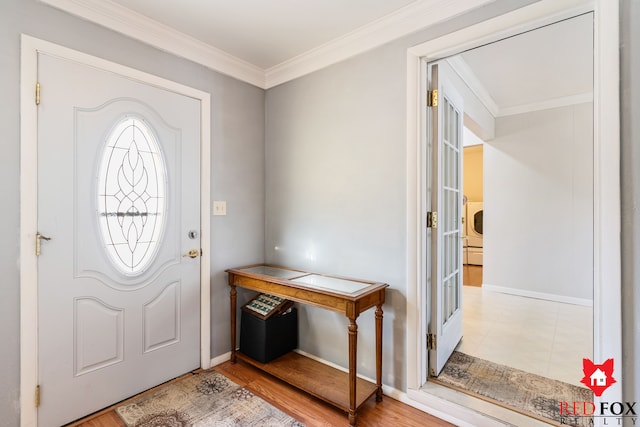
(38, 93)
(431, 342)
(37, 396)
(432, 219)
(432, 98)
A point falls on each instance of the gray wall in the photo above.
(336, 188)
(630, 173)
(336, 195)
(237, 122)
(345, 159)
(538, 199)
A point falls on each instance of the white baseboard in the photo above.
(220, 359)
(538, 295)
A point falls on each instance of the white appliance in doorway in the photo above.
(474, 223)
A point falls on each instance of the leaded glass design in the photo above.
(132, 195)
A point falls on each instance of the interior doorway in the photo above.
(539, 162)
(605, 43)
(473, 208)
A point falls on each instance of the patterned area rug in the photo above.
(514, 389)
(204, 399)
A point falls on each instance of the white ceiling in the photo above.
(265, 33)
(269, 42)
(547, 67)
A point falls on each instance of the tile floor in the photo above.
(538, 336)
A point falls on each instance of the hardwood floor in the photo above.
(472, 275)
(308, 410)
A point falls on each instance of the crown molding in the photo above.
(135, 25)
(406, 20)
(564, 101)
(465, 72)
(409, 19)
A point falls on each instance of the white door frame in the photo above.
(607, 281)
(29, 206)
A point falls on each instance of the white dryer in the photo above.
(474, 223)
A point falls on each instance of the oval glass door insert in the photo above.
(132, 195)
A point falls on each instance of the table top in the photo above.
(322, 283)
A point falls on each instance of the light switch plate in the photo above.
(219, 207)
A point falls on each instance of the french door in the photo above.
(445, 217)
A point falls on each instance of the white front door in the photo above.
(119, 199)
(445, 326)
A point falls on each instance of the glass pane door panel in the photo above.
(451, 196)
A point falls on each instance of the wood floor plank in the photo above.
(319, 379)
(241, 377)
(106, 419)
(305, 408)
(472, 275)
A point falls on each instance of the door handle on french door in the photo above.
(39, 237)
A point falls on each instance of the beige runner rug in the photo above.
(204, 399)
(520, 391)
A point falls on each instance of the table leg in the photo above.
(353, 360)
(379, 352)
(232, 299)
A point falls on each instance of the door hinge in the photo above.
(431, 342)
(432, 219)
(37, 396)
(38, 93)
(432, 98)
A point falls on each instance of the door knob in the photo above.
(193, 253)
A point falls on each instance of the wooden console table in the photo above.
(348, 296)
